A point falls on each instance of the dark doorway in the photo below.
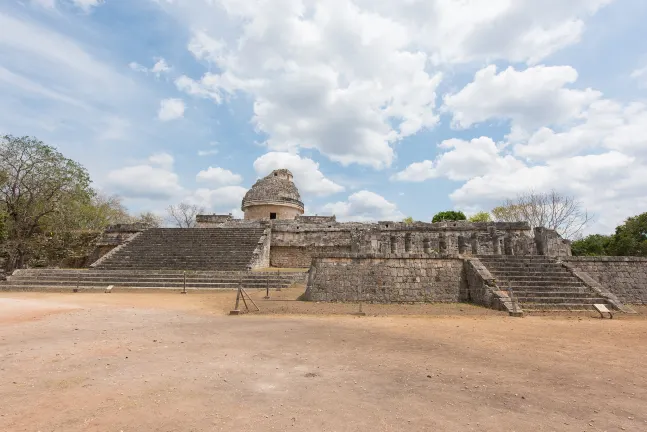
(272, 215)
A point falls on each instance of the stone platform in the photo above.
(67, 280)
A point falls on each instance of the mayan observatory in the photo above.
(503, 266)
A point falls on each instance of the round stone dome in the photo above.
(273, 197)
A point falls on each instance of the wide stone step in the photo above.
(189, 284)
(552, 300)
(514, 260)
(47, 271)
(537, 283)
(558, 307)
(71, 281)
(554, 291)
(63, 288)
(510, 266)
(544, 276)
(187, 249)
(532, 275)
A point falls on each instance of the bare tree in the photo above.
(551, 210)
(150, 219)
(183, 215)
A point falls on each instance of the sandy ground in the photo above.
(171, 362)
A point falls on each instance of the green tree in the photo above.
(408, 220)
(630, 238)
(480, 217)
(593, 245)
(449, 215)
(38, 185)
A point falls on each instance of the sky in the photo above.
(382, 109)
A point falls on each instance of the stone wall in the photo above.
(625, 277)
(316, 219)
(300, 256)
(261, 254)
(550, 243)
(113, 237)
(309, 237)
(386, 278)
(206, 221)
(483, 290)
(262, 212)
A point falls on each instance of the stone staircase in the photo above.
(221, 249)
(89, 280)
(540, 284)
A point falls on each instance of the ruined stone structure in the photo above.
(505, 266)
(273, 197)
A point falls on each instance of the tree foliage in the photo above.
(408, 220)
(449, 215)
(48, 211)
(630, 238)
(183, 214)
(552, 210)
(38, 185)
(593, 245)
(480, 217)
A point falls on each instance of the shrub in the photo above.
(449, 215)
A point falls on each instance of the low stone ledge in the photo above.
(261, 254)
(594, 285)
(354, 255)
(604, 259)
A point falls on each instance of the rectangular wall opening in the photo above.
(272, 215)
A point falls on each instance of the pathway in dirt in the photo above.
(155, 362)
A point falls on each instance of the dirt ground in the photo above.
(170, 362)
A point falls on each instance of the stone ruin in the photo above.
(507, 266)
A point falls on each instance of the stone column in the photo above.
(462, 244)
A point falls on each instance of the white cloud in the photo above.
(137, 67)
(225, 199)
(530, 98)
(160, 67)
(207, 87)
(640, 75)
(154, 180)
(462, 161)
(364, 206)
(211, 151)
(329, 81)
(26, 85)
(163, 160)
(49, 57)
(207, 152)
(204, 47)
(86, 5)
(218, 177)
(48, 4)
(477, 31)
(307, 176)
(608, 178)
(171, 109)
(608, 185)
(351, 78)
(606, 125)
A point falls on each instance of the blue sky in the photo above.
(381, 108)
